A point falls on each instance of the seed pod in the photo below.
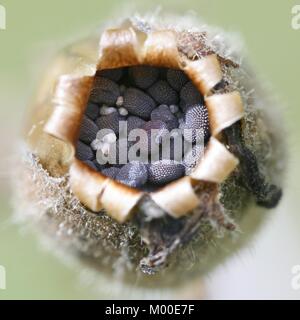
(144, 76)
(162, 93)
(138, 103)
(104, 91)
(165, 171)
(173, 231)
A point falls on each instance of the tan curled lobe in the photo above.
(70, 100)
(217, 163)
(87, 185)
(224, 110)
(177, 198)
(119, 48)
(160, 49)
(205, 73)
(120, 200)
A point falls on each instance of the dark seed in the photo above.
(111, 121)
(84, 152)
(192, 157)
(138, 103)
(112, 74)
(111, 172)
(196, 120)
(189, 95)
(92, 111)
(105, 91)
(164, 114)
(88, 130)
(144, 76)
(164, 171)
(91, 164)
(163, 93)
(134, 174)
(176, 79)
(134, 122)
(156, 136)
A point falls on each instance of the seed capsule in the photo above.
(144, 76)
(164, 171)
(105, 91)
(138, 103)
(163, 93)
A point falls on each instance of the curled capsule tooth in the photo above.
(144, 76)
(164, 171)
(196, 123)
(176, 79)
(133, 174)
(163, 93)
(138, 103)
(104, 91)
(92, 111)
(111, 172)
(88, 130)
(84, 152)
(164, 114)
(111, 121)
(189, 95)
(111, 74)
(134, 122)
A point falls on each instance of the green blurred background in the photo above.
(35, 29)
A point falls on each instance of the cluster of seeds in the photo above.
(146, 98)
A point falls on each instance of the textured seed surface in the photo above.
(92, 111)
(88, 130)
(111, 172)
(144, 76)
(189, 95)
(157, 129)
(192, 158)
(164, 114)
(163, 93)
(105, 91)
(164, 171)
(176, 79)
(138, 103)
(134, 122)
(196, 119)
(112, 74)
(134, 174)
(84, 152)
(111, 121)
